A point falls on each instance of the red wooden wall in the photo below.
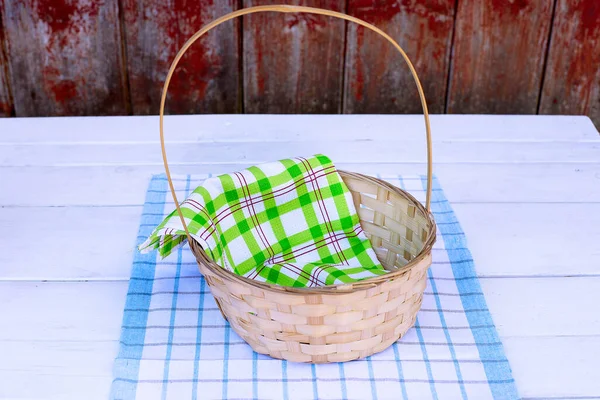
(63, 57)
(498, 56)
(376, 77)
(110, 57)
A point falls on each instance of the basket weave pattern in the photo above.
(342, 322)
(331, 323)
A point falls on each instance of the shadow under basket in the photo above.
(340, 322)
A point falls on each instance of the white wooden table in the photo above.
(525, 188)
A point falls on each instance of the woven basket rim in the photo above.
(345, 288)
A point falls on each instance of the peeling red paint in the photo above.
(511, 7)
(64, 90)
(197, 69)
(588, 12)
(258, 77)
(66, 20)
(292, 61)
(377, 72)
(6, 103)
(581, 74)
(199, 66)
(498, 53)
(436, 13)
(358, 86)
(5, 108)
(310, 21)
(70, 76)
(572, 84)
(375, 11)
(68, 59)
(56, 13)
(206, 77)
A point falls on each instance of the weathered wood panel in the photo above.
(207, 78)
(572, 80)
(6, 104)
(64, 57)
(293, 63)
(498, 56)
(377, 78)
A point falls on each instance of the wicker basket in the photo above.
(341, 322)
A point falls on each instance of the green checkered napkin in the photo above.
(289, 223)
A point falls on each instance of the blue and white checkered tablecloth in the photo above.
(176, 345)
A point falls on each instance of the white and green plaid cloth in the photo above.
(289, 223)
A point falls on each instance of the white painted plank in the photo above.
(543, 368)
(59, 357)
(544, 306)
(57, 369)
(56, 243)
(548, 367)
(53, 386)
(84, 186)
(61, 311)
(495, 183)
(339, 151)
(98, 242)
(532, 239)
(92, 311)
(51, 318)
(555, 367)
(295, 128)
(60, 342)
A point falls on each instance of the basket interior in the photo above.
(397, 225)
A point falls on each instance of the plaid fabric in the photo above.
(289, 223)
(176, 345)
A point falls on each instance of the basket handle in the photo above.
(288, 9)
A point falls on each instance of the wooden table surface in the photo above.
(525, 188)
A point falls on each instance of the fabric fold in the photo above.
(291, 223)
